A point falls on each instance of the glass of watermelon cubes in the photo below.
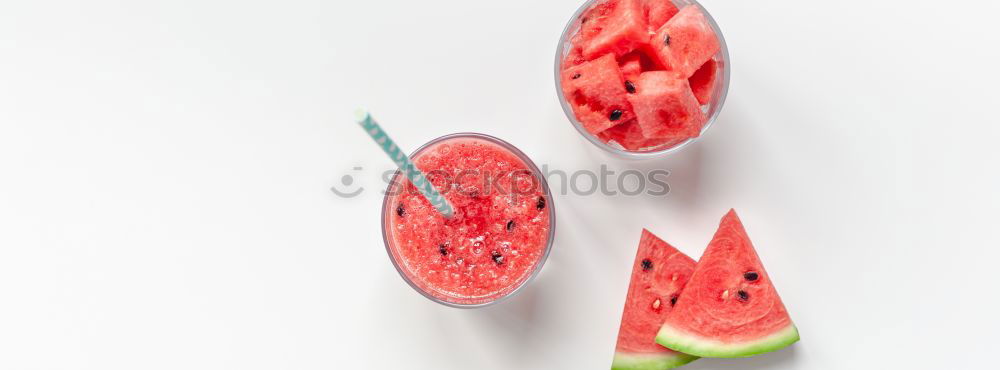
(642, 78)
(499, 235)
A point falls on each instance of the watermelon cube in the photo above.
(642, 59)
(629, 135)
(665, 106)
(596, 92)
(685, 42)
(658, 12)
(631, 66)
(703, 81)
(616, 26)
(574, 56)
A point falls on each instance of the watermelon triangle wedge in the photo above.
(729, 307)
(658, 276)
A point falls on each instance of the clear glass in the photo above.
(389, 239)
(711, 109)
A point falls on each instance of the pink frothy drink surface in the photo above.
(497, 236)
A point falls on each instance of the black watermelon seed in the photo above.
(666, 40)
(497, 257)
(673, 300)
(443, 249)
(750, 276)
(629, 87)
(541, 203)
(742, 295)
(615, 114)
(647, 264)
(400, 211)
(510, 225)
(576, 76)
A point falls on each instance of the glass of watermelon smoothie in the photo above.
(499, 235)
(642, 78)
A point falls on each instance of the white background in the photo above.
(165, 170)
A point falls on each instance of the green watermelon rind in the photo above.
(679, 340)
(650, 361)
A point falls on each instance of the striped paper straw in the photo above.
(402, 161)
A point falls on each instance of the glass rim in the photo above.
(714, 109)
(549, 202)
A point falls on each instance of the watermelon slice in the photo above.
(703, 81)
(596, 92)
(729, 307)
(666, 107)
(658, 276)
(658, 12)
(686, 41)
(615, 26)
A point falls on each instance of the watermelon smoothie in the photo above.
(642, 78)
(499, 235)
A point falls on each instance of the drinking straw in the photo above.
(417, 178)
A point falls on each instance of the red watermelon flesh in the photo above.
(703, 81)
(631, 66)
(629, 136)
(666, 107)
(592, 20)
(729, 307)
(615, 26)
(686, 41)
(658, 12)
(640, 60)
(596, 92)
(575, 55)
(658, 277)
